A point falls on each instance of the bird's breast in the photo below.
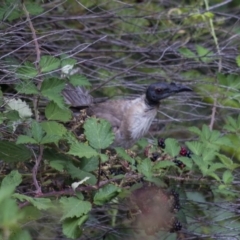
(140, 119)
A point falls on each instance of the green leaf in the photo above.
(11, 152)
(27, 87)
(53, 128)
(20, 234)
(145, 167)
(79, 80)
(225, 160)
(163, 164)
(208, 155)
(89, 165)
(82, 150)
(39, 203)
(205, 55)
(195, 130)
(227, 177)
(50, 139)
(24, 139)
(49, 63)
(187, 53)
(68, 61)
(106, 194)
(52, 88)
(27, 71)
(34, 8)
(172, 147)
(99, 133)
(238, 60)
(71, 227)
(80, 174)
(54, 112)
(104, 157)
(12, 115)
(122, 153)
(37, 131)
(195, 147)
(14, 178)
(206, 132)
(74, 207)
(187, 161)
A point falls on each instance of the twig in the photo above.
(38, 55)
(214, 108)
(35, 171)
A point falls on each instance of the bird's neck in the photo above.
(151, 104)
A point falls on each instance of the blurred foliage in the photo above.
(56, 167)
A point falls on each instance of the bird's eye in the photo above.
(158, 90)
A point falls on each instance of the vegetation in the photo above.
(60, 179)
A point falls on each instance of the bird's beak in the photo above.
(176, 88)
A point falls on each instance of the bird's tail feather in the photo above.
(77, 96)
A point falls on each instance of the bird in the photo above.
(130, 119)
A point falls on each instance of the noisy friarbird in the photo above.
(130, 119)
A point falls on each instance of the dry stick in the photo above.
(116, 75)
(35, 170)
(35, 102)
(38, 54)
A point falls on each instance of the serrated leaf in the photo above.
(20, 106)
(53, 128)
(54, 112)
(187, 161)
(105, 194)
(195, 130)
(12, 115)
(206, 132)
(163, 164)
(11, 152)
(225, 160)
(37, 131)
(27, 87)
(103, 157)
(227, 177)
(80, 174)
(39, 203)
(89, 165)
(71, 227)
(122, 153)
(238, 60)
(52, 88)
(68, 61)
(50, 139)
(82, 150)
(99, 133)
(74, 207)
(195, 147)
(208, 155)
(79, 80)
(24, 139)
(49, 63)
(27, 71)
(145, 167)
(214, 175)
(14, 178)
(172, 147)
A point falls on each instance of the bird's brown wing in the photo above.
(77, 96)
(114, 111)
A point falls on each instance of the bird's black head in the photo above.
(158, 91)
